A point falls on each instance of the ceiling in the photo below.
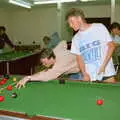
(5, 4)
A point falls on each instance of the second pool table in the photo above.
(19, 62)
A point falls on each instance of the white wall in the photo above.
(31, 25)
(117, 13)
(4, 18)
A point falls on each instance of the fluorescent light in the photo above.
(46, 2)
(86, 0)
(68, 0)
(53, 1)
(20, 3)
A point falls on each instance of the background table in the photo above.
(19, 62)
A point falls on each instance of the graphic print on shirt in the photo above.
(91, 52)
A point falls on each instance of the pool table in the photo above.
(73, 100)
(19, 62)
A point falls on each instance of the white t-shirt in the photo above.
(91, 44)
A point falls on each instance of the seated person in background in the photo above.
(115, 32)
(52, 41)
(46, 41)
(62, 62)
(4, 39)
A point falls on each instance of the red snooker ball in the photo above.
(9, 87)
(4, 79)
(2, 82)
(1, 98)
(99, 102)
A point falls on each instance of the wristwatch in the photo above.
(29, 78)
